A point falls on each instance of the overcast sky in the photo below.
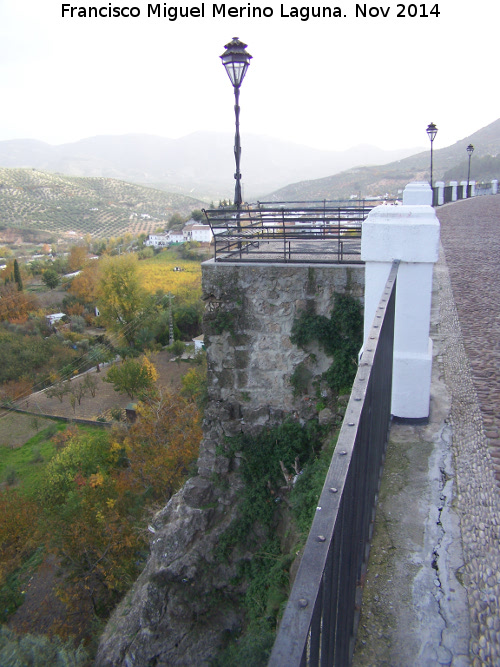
(329, 83)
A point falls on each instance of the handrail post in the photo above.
(409, 233)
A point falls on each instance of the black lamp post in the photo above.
(470, 150)
(431, 131)
(236, 61)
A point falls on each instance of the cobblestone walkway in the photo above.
(470, 234)
(470, 326)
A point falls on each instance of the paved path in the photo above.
(432, 595)
(470, 234)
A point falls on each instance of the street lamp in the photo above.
(470, 150)
(431, 131)
(236, 61)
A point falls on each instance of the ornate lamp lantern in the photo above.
(470, 150)
(236, 61)
(431, 132)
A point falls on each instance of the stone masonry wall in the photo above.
(250, 309)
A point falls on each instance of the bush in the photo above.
(38, 651)
(77, 323)
(11, 476)
(261, 470)
(177, 348)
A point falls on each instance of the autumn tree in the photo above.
(121, 298)
(78, 390)
(15, 306)
(87, 516)
(17, 534)
(163, 443)
(90, 384)
(77, 257)
(84, 285)
(132, 376)
(15, 390)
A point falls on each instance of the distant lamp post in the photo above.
(431, 131)
(236, 61)
(470, 150)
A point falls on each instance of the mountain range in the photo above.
(449, 162)
(200, 165)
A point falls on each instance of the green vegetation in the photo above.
(80, 495)
(340, 337)
(27, 461)
(26, 353)
(284, 470)
(38, 651)
(133, 377)
(44, 204)
(51, 278)
(483, 168)
(74, 501)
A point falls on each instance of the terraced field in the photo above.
(103, 207)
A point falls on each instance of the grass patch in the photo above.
(21, 466)
(17, 428)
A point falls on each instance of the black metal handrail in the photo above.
(320, 619)
(289, 232)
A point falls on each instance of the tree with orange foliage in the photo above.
(163, 443)
(77, 257)
(84, 286)
(14, 390)
(15, 306)
(87, 521)
(18, 535)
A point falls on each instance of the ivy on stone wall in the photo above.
(267, 498)
(340, 336)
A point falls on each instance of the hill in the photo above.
(200, 164)
(390, 178)
(34, 202)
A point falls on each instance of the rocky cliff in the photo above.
(186, 601)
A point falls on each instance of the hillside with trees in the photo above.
(390, 179)
(39, 206)
(76, 500)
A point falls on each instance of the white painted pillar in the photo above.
(440, 186)
(472, 188)
(409, 233)
(464, 189)
(494, 187)
(454, 187)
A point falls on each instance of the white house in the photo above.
(199, 342)
(195, 231)
(54, 317)
(157, 240)
(176, 237)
